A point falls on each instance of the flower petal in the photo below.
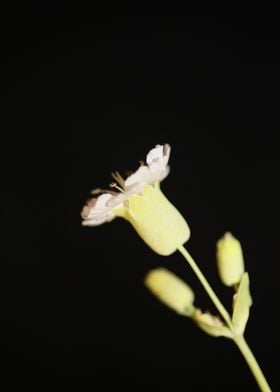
(156, 169)
(157, 160)
(97, 210)
(159, 153)
(155, 154)
(140, 177)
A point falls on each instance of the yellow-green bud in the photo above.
(171, 290)
(230, 260)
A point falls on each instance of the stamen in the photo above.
(118, 178)
(114, 185)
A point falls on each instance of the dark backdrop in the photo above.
(84, 94)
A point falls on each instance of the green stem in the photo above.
(252, 363)
(238, 339)
(206, 286)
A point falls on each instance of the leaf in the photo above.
(242, 302)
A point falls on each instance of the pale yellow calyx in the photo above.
(171, 290)
(155, 219)
(230, 260)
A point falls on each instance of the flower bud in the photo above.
(230, 260)
(171, 290)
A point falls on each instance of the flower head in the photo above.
(140, 201)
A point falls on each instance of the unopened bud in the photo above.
(230, 260)
(171, 290)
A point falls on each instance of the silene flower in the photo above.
(139, 199)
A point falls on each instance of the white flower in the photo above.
(101, 209)
(141, 202)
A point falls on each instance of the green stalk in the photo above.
(252, 363)
(206, 286)
(238, 339)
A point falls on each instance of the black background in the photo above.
(85, 93)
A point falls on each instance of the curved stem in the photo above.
(238, 339)
(206, 286)
(252, 363)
